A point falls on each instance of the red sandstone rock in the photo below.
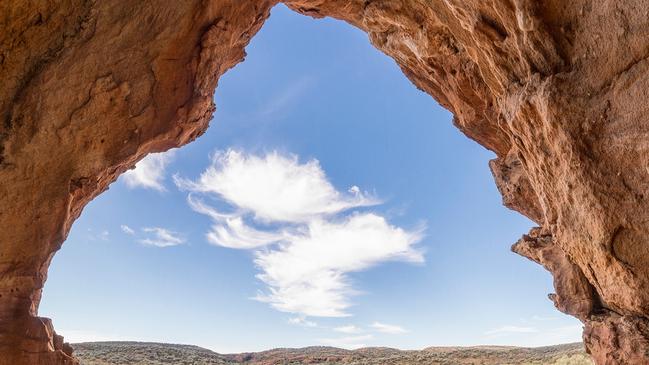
(557, 89)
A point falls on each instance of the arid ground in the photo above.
(141, 353)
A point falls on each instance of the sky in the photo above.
(329, 203)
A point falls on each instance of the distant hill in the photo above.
(144, 353)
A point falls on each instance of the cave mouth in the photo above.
(318, 91)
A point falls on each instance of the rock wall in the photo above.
(557, 89)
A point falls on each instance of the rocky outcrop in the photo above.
(557, 89)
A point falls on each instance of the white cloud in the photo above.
(161, 237)
(534, 336)
(234, 233)
(388, 328)
(511, 329)
(308, 274)
(126, 229)
(102, 236)
(351, 342)
(149, 172)
(350, 329)
(274, 187)
(302, 321)
(291, 215)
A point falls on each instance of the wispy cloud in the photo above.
(282, 101)
(388, 328)
(274, 187)
(161, 237)
(101, 236)
(562, 334)
(126, 229)
(302, 321)
(149, 173)
(511, 329)
(350, 329)
(544, 318)
(294, 218)
(308, 274)
(533, 336)
(350, 342)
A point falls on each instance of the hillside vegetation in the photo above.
(142, 353)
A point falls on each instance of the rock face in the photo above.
(557, 89)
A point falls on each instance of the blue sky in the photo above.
(329, 203)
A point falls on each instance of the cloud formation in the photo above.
(126, 229)
(541, 332)
(274, 187)
(350, 329)
(149, 173)
(281, 102)
(388, 328)
(305, 241)
(308, 274)
(302, 321)
(101, 236)
(161, 237)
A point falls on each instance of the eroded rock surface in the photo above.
(557, 89)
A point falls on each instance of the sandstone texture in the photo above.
(556, 89)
